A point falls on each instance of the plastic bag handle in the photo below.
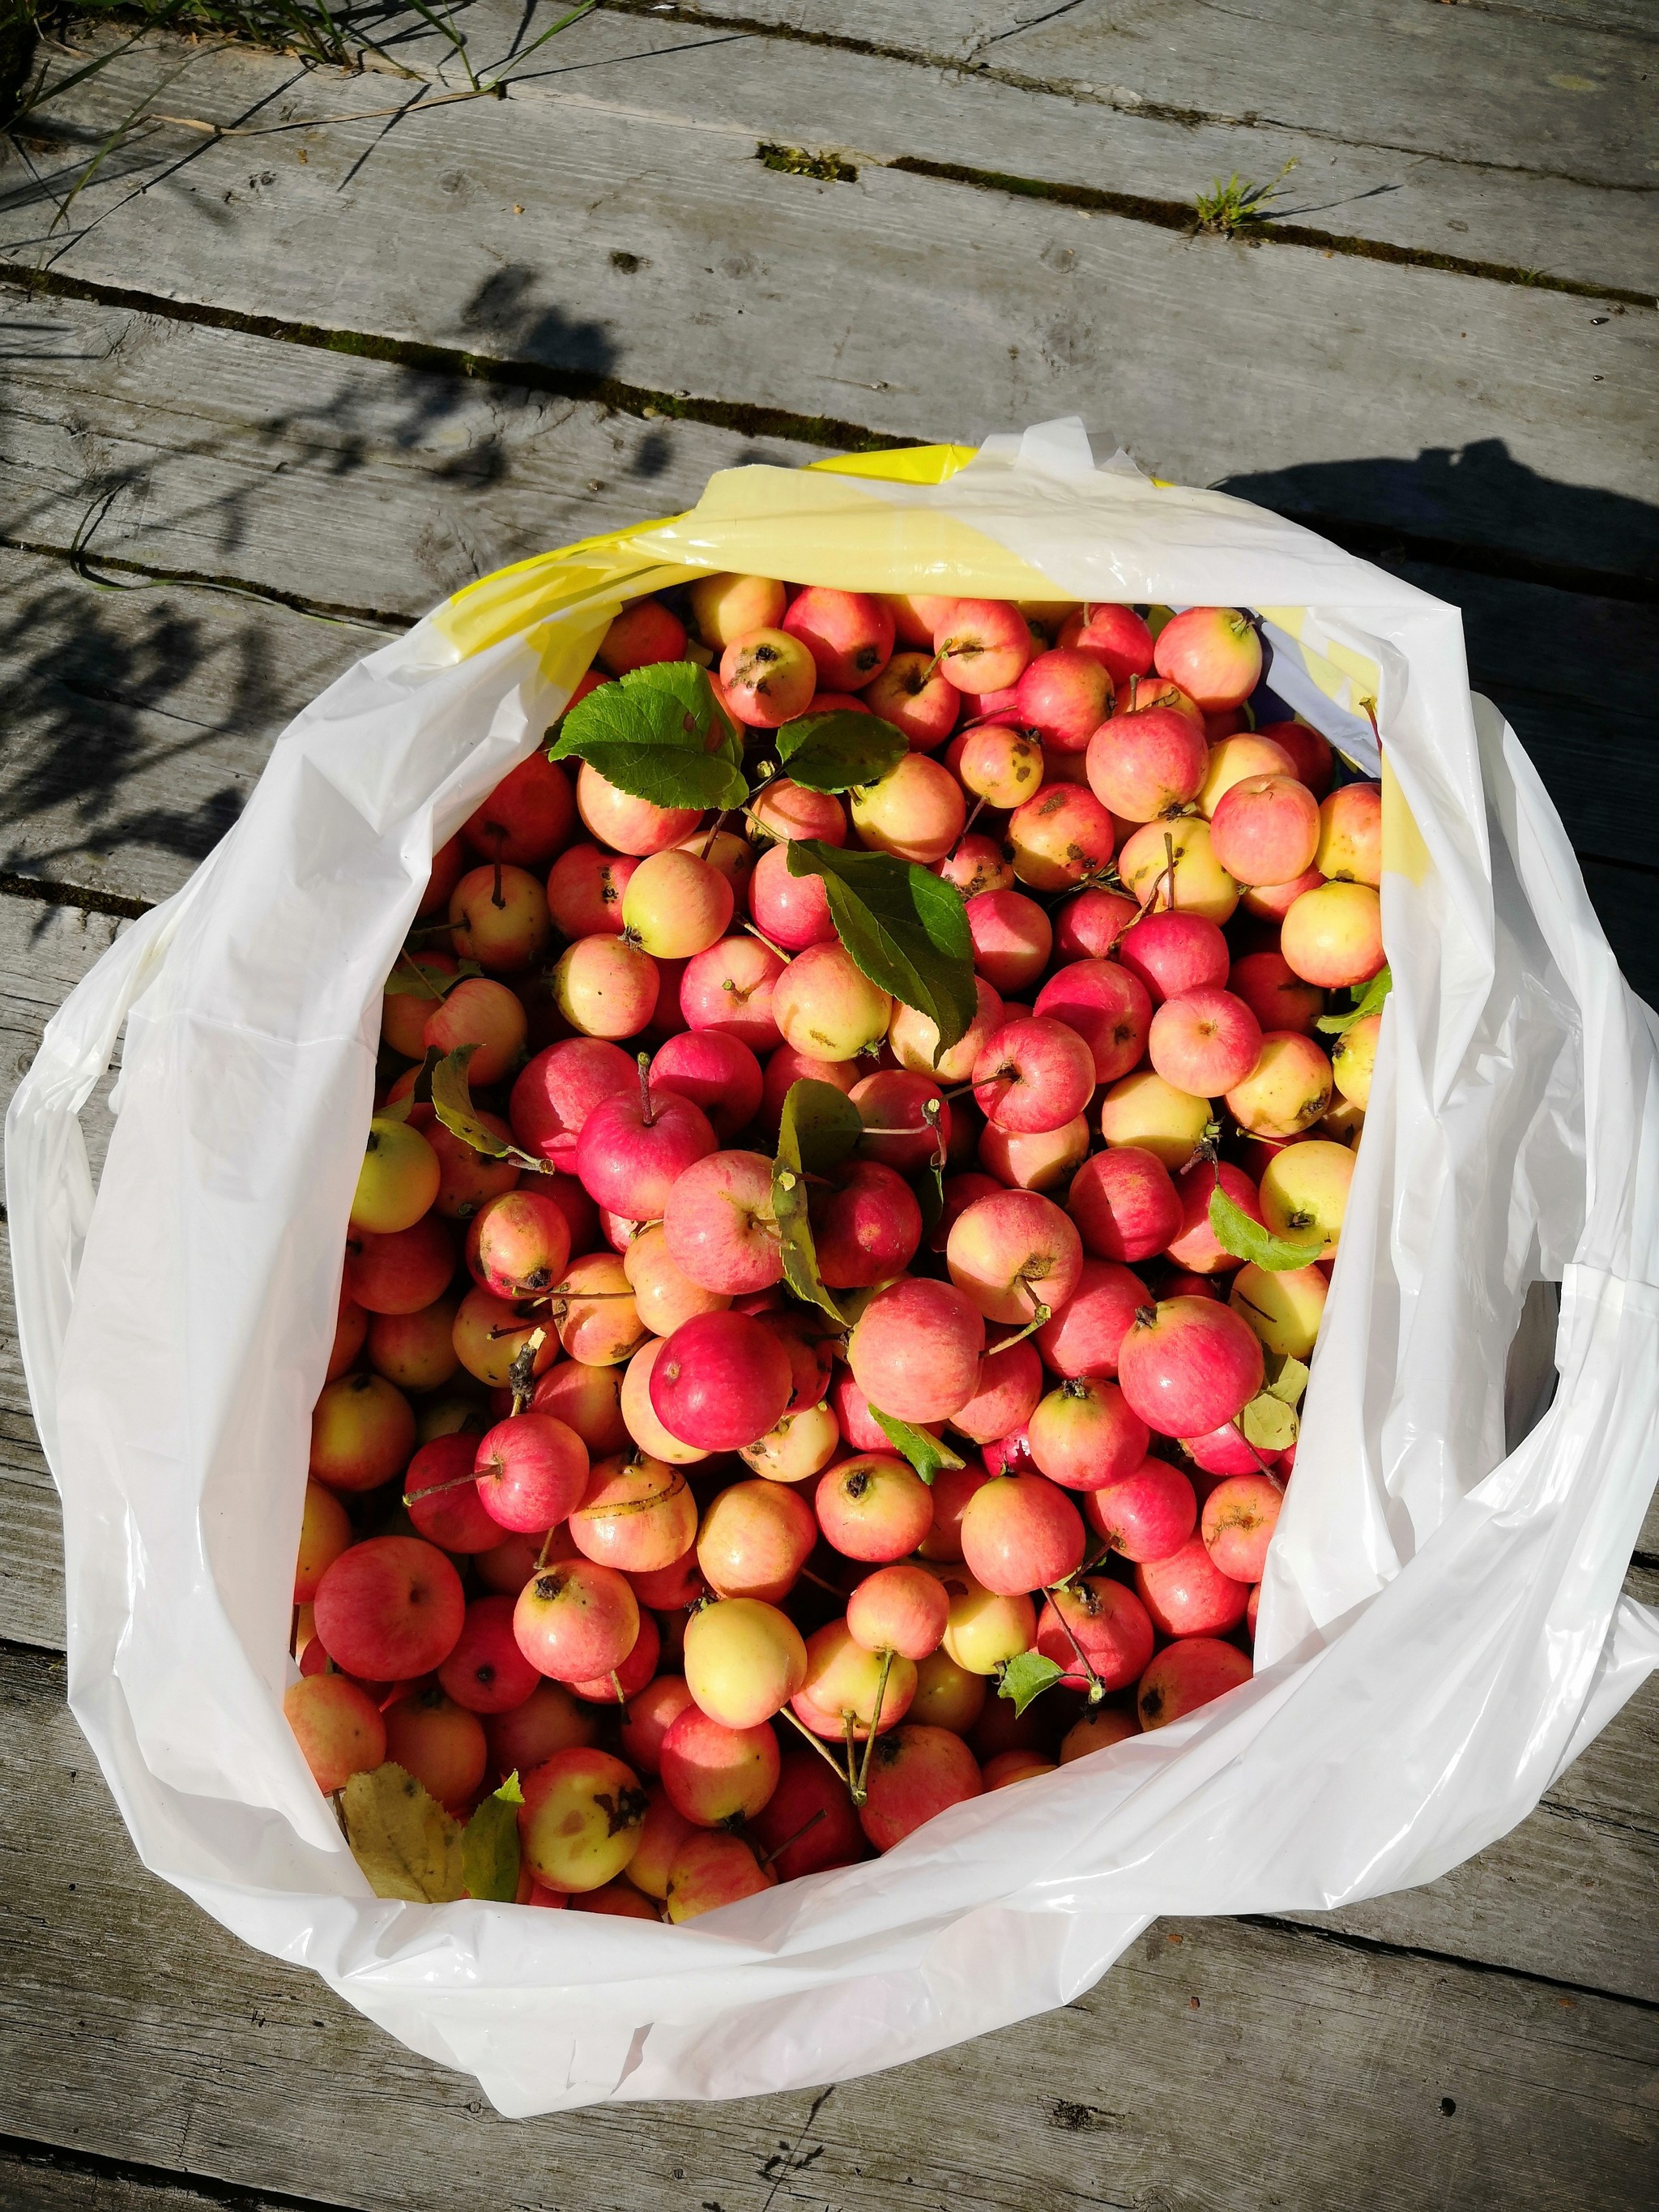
(49, 1186)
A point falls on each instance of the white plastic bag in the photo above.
(1441, 1629)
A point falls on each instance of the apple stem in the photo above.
(816, 1742)
(969, 823)
(1097, 1687)
(541, 1556)
(1169, 870)
(497, 896)
(646, 1114)
(521, 1375)
(421, 977)
(1261, 1466)
(778, 1850)
(807, 1576)
(437, 1489)
(616, 1684)
(1040, 1316)
(766, 940)
(859, 1793)
(720, 825)
(850, 1736)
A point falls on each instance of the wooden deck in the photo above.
(267, 396)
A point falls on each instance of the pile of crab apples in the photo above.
(680, 1580)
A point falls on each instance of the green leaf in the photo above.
(1025, 1676)
(1288, 1380)
(836, 750)
(905, 929)
(1269, 1423)
(1372, 1003)
(412, 979)
(418, 1093)
(406, 1843)
(660, 734)
(817, 1131)
(1245, 1239)
(452, 1102)
(925, 1453)
(489, 1845)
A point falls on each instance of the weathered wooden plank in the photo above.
(910, 102)
(1335, 2064)
(351, 483)
(141, 719)
(662, 254)
(1555, 96)
(35, 2179)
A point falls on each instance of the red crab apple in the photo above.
(1058, 837)
(1227, 1450)
(1288, 1088)
(1333, 935)
(1012, 1252)
(585, 889)
(711, 1869)
(1147, 763)
(448, 865)
(1147, 1514)
(1010, 1385)
(1116, 635)
(1266, 829)
(867, 1229)
(785, 1067)
(1235, 758)
(824, 1007)
(1350, 847)
(530, 1471)
(1170, 953)
(1065, 697)
(1033, 1075)
(916, 811)
(730, 988)
(1084, 1435)
(858, 1428)
(917, 615)
(905, 1117)
(978, 863)
(414, 1351)
(389, 1609)
(1097, 1730)
(518, 1245)
(626, 824)
(801, 1445)
(576, 1619)
(1204, 1042)
(587, 1398)
(579, 1823)
(469, 1179)
(548, 1720)
(1187, 1364)
(784, 809)
(716, 1071)
(1085, 1336)
(982, 645)
(486, 1672)
(1011, 937)
(663, 1834)
(1187, 1595)
(676, 904)
(670, 1588)
(793, 911)
(713, 1775)
(874, 1507)
(663, 1297)
(558, 1089)
(629, 1676)
(635, 1514)
(350, 1332)
(719, 1226)
(1186, 1675)
(527, 817)
(1304, 1192)
(325, 1533)
(767, 677)
(651, 1713)
(900, 1608)
(743, 1661)
(618, 1899)
(947, 1696)
(440, 1743)
(362, 1432)
(848, 1690)
(491, 1332)
(1089, 925)
(1277, 998)
(1194, 1246)
(634, 1146)
(1213, 653)
(1000, 765)
(1171, 865)
(498, 917)
(1124, 1203)
(1311, 752)
(916, 1350)
(401, 1272)
(849, 635)
(1021, 1532)
(1108, 1006)
(917, 699)
(915, 1772)
(337, 1727)
(398, 1179)
(1098, 1632)
(1237, 1524)
(808, 1825)
(755, 1538)
(486, 1015)
(605, 986)
(730, 606)
(442, 1499)
(641, 635)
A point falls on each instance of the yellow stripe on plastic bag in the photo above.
(1404, 853)
(917, 464)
